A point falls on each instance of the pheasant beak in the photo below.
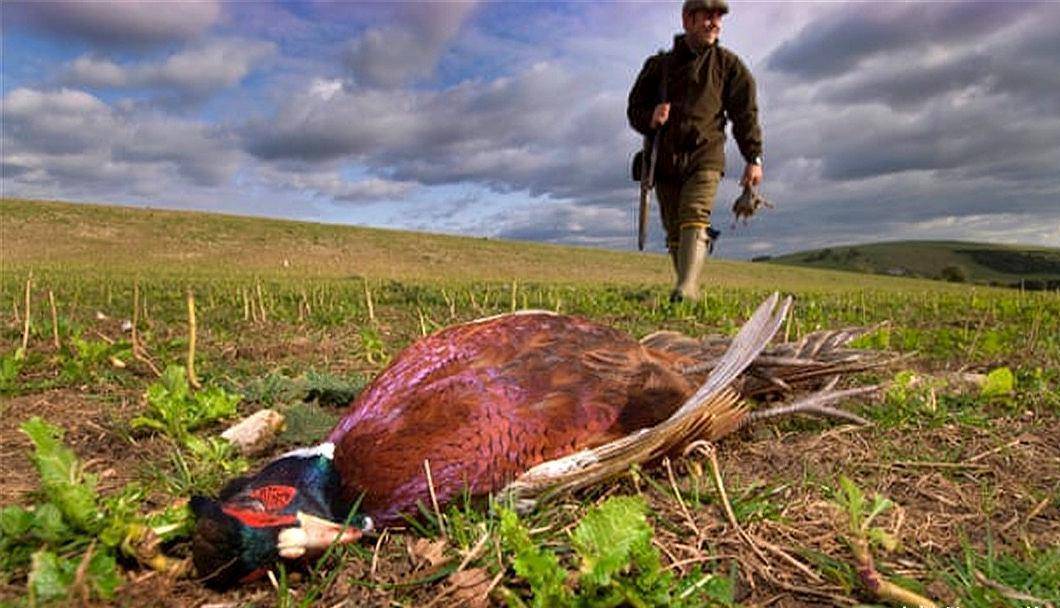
(314, 535)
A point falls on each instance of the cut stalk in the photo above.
(246, 303)
(26, 310)
(878, 585)
(368, 301)
(193, 380)
(135, 319)
(138, 351)
(261, 303)
(55, 320)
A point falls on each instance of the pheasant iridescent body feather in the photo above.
(483, 402)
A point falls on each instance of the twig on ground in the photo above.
(1009, 592)
(1038, 508)
(999, 448)
(375, 554)
(706, 448)
(434, 497)
(680, 502)
(473, 553)
(82, 570)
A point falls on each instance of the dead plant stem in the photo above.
(55, 320)
(193, 380)
(26, 310)
(434, 498)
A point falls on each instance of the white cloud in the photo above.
(213, 66)
(880, 122)
(329, 182)
(72, 142)
(543, 130)
(408, 50)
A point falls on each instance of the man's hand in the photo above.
(752, 175)
(660, 115)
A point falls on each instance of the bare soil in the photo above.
(988, 485)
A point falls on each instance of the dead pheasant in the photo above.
(525, 403)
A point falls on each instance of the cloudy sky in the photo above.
(506, 119)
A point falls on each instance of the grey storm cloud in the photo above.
(882, 121)
(71, 137)
(113, 23)
(974, 140)
(396, 55)
(544, 130)
(914, 120)
(198, 71)
(571, 223)
(1016, 61)
(839, 42)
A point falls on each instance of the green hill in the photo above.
(113, 240)
(1009, 265)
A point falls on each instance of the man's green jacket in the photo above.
(703, 89)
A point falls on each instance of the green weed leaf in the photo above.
(49, 577)
(48, 524)
(68, 487)
(15, 521)
(10, 367)
(102, 574)
(999, 383)
(607, 537)
(852, 500)
(175, 411)
(882, 538)
(539, 567)
(879, 505)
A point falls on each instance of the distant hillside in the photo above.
(110, 240)
(1008, 265)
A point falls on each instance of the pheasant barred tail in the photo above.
(710, 413)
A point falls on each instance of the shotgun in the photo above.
(647, 182)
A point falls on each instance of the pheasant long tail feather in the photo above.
(781, 369)
(711, 412)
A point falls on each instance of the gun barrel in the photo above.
(647, 182)
(642, 216)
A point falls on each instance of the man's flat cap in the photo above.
(705, 5)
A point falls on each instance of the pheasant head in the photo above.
(291, 510)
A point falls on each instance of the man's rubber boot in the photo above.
(674, 259)
(690, 255)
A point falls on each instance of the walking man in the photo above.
(684, 97)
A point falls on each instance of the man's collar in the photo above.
(681, 41)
